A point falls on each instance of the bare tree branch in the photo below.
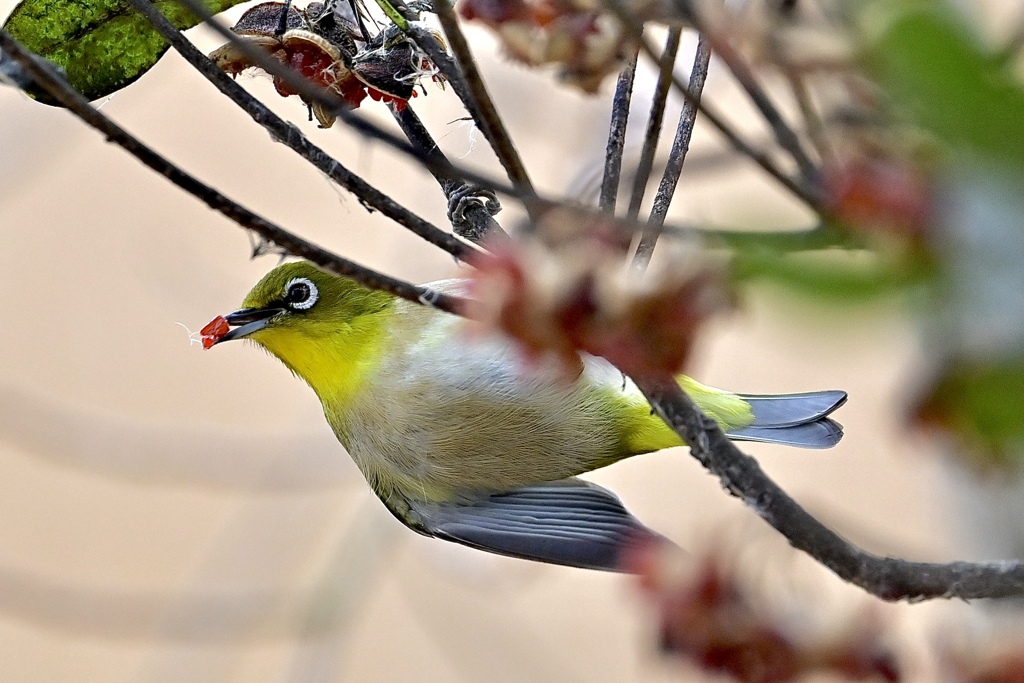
(676, 158)
(49, 79)
(784, 134)
(666, 65)
(466, 81)
(472, 90)
(885, 577)
(470, 209)
(617, 135)
(291, 137)
(799, 189)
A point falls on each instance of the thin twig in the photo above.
(885, 577)
(617, 135)
(475, 222)
(333, 103)
(826, 235)
(472, 90)
(812, 121)
(50, 80)
(784, 134)
(676, 158)
(807, 194)
(666, 65)
(291, 137)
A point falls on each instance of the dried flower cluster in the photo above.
(586, 43)
(883, 195)
(326, 46)
(709, 617)
(568, 290)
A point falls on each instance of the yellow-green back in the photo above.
(644, 431)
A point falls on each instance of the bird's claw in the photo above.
(462, 198)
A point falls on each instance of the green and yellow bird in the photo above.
(465, 439)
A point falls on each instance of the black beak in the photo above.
(248, 320)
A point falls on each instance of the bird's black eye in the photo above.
(301, 294)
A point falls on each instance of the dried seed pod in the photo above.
(258, 25)
(322, 43)
(265, 18)
(335, 25)
(302, 40)
(388, 64)
(233, 61)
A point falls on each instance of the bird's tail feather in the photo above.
(788, 410)
(793, 419)
(823, 433)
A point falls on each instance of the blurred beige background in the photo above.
(168, 514)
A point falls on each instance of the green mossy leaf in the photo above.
(102, 45)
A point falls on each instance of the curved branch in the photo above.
(288, 135)
(888, 578)
(477, 223)
(48, 78)
(469, 86)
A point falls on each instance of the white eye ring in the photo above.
(310, 299)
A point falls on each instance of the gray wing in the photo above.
(570, 522)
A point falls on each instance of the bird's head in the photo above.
(318, 324)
